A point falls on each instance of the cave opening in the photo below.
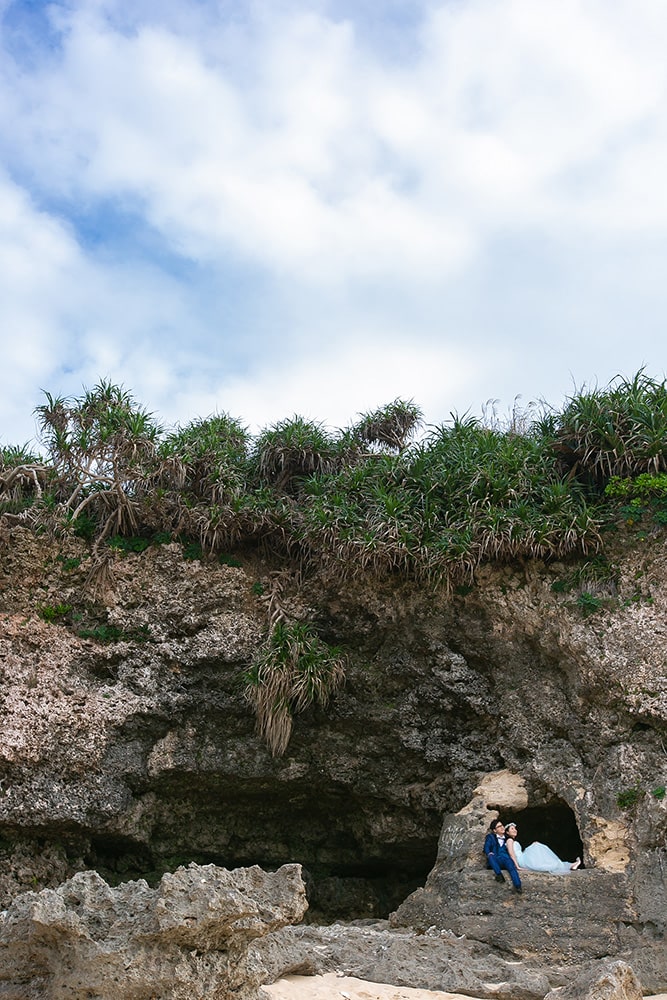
(553, 824)
(366, 888)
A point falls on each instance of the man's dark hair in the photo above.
(494, 824)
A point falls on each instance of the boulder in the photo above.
(184, 940)
(575, 917)
(613, 981)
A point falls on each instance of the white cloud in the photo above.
(67, 319)
(37, 258)
(329, 165)
(372, 194)
(338, 383)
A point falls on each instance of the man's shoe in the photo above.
(500, 877)
(517, 888)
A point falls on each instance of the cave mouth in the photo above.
(553, 824)
(368, 891)
(370, 888)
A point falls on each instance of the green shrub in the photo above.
(85, 526)
(68, 563)
(192, 550)
(628, 798)
(588, 603)
(362, 501)
(632, 512)
(642, 487)
(465, 495)
(135, 543)
(659, 792)
(54, 613)
(226, 560)
(207, 459)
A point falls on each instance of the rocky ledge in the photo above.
(205, 933)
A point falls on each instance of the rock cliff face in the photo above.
(136, 755)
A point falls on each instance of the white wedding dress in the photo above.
(540, 858)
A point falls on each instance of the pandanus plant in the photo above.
(291, 671)
(620, 430)
(102, 447)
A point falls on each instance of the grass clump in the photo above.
(596, 570)
(68, 563)
(293, 670)
(619, 431)
(466, 494)
(131, 543)
(192, 550)
(113, 633)
(391, 426)
(225, 559)
(292, 450)
(630, 797)
(588, 603)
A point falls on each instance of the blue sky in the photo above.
(315, 208)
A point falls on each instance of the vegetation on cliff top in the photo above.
(372, 499)
(367, 499)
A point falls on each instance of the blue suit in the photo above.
(498, 857)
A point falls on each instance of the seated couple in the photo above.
(503, 851)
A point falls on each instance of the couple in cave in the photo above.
(503, 851)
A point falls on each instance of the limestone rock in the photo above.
(132, 757)
(570, 918)
(184, 940)
(434, 960)
(613, 981)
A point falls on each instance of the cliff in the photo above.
(128, 745)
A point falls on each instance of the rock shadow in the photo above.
(553, 824)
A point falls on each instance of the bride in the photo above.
(538, 857)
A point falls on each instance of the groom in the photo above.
(497, 855)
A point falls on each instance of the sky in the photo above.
(314, 208)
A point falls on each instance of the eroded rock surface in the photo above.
(434, 960)
(205, 933)
(187, 939)
(615, 981)
(568, 919)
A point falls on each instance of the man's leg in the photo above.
(509, 865)
(493, 861)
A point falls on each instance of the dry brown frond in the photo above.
(100, 580)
